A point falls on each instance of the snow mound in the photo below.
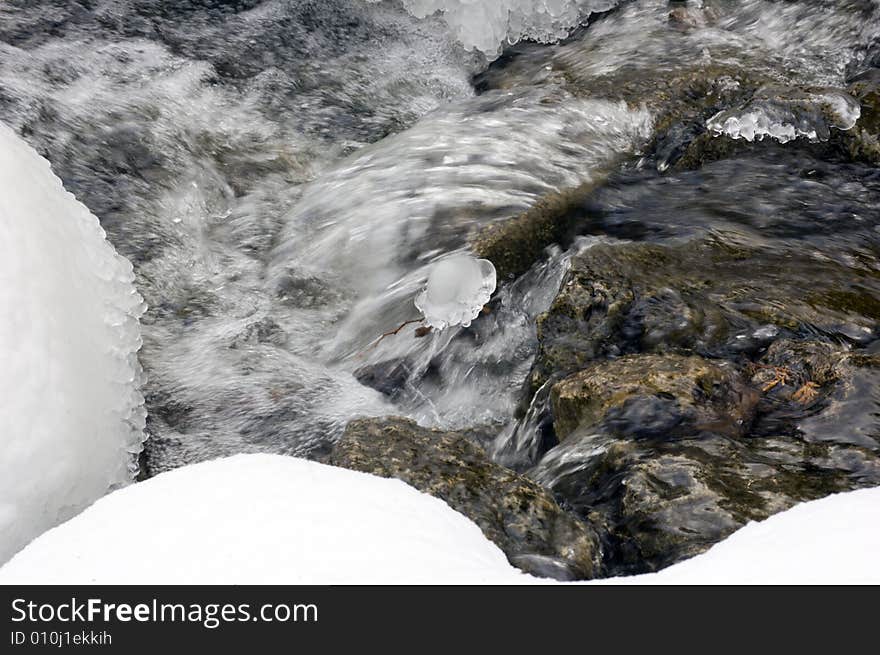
(834, 540)
(787, 114)
(486, 24)
(458, 287)
(264, 519)
(71, 414)
(272, 519)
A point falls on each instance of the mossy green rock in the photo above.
(513, 245)
(518, 515)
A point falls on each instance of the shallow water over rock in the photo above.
(283, 175)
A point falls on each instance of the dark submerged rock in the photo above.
(515, 513)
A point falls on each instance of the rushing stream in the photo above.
(283, 173)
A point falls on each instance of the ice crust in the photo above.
(486, 24)
(458, 287)
(788, 114)
(71, 416)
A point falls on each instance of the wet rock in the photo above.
(817, 120)
(865, 87)
(824, 389)
(863, 141)
(666, 454)
(266, 330)
(663, 470)
(798, 371)
(387, 377)
(721, 296)
(827, 113)
(513, 245)
(653, 501)
(518, 515)
(681, 101)
(705, 381)
(653, 396)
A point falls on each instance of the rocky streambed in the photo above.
(713, 358)
(681, 200)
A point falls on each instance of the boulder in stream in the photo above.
(522, 518)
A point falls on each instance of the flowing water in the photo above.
(282, 174)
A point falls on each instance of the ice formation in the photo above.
(787, 114)
(487, 24)
(458, 287)
(72, 416)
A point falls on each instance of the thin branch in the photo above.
(390, 334)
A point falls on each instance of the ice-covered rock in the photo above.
(786, 114)
(458, 287)
(71, 416)
(487, 24)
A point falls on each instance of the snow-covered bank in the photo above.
(270, 519)
(835, 540)
(263, 519)
(71, 415)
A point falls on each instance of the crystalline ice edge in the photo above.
(72, 416)
(487, 24)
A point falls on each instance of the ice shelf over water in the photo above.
(787, 114)
(486, 24)
(72, 417)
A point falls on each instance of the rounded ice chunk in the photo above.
(456, 291)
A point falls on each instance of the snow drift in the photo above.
(271, 519)
(71, 418)
(834, 540)
(264, 519)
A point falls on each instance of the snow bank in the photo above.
(487, 24)
(71, 416)
(263, 519)
(835, 540)
(271, 519)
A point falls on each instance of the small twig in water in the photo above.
(391, 333)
